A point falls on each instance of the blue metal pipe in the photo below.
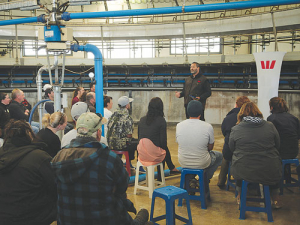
(154, 11)
(179, 9)
(98, 73)
(34, 107)
(23, 20)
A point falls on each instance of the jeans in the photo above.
(216, 160)
(35, 126)
(223, 172)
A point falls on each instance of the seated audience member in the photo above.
(120, 129)
(255, 144)
(76, 111)
(18, 111)
(27, 190)
(108, 103)
(229, 122)
(196, 141)
(90, 101)
(49, 94)
(27, 104)
(287, 126)
(55, 122)
(83, 96)
(92, 87)
(77, 94)
(153, 126)
(4, 113)
(92, 181)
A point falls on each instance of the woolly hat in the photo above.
(194, 108)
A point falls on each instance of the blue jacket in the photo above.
(91, 184)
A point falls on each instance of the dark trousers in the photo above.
(169, 162)
(223, 172)
(131, 148)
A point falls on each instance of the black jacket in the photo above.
(52, 140)
(228, 122)
(197, 86)
(17, 111)
(156, 131)
(288, 128)
(27, 188)
(4, 117)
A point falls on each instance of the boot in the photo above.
(142, 216)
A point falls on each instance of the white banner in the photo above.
(268, 66)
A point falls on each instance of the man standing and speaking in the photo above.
(196, 87)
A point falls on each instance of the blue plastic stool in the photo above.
(170, 194)
(230, 182)
(203, 185)
(294, 182)
(267, 200)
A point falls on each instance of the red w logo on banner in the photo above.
(266, 65)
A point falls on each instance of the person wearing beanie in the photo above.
(196, 87)
(195, 142)
(92, 181)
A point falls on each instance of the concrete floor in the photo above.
(222, 208)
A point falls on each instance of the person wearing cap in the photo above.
(120, 129)
(91, 180)
(196, 141)
(196, 87)
(76, 111)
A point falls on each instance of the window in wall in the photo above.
(36, 48)
(30, 48)
(198, 45)
(125, 49)
(104, 51)
(142, 49)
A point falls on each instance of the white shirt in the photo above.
(67, 138)
(107, 115)
(193, 137)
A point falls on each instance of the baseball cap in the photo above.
(77, 109)
(124, 100)
(47, 86)
(91, 122)
(194, 108)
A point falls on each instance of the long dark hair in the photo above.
(19, 129)
(155, 109)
